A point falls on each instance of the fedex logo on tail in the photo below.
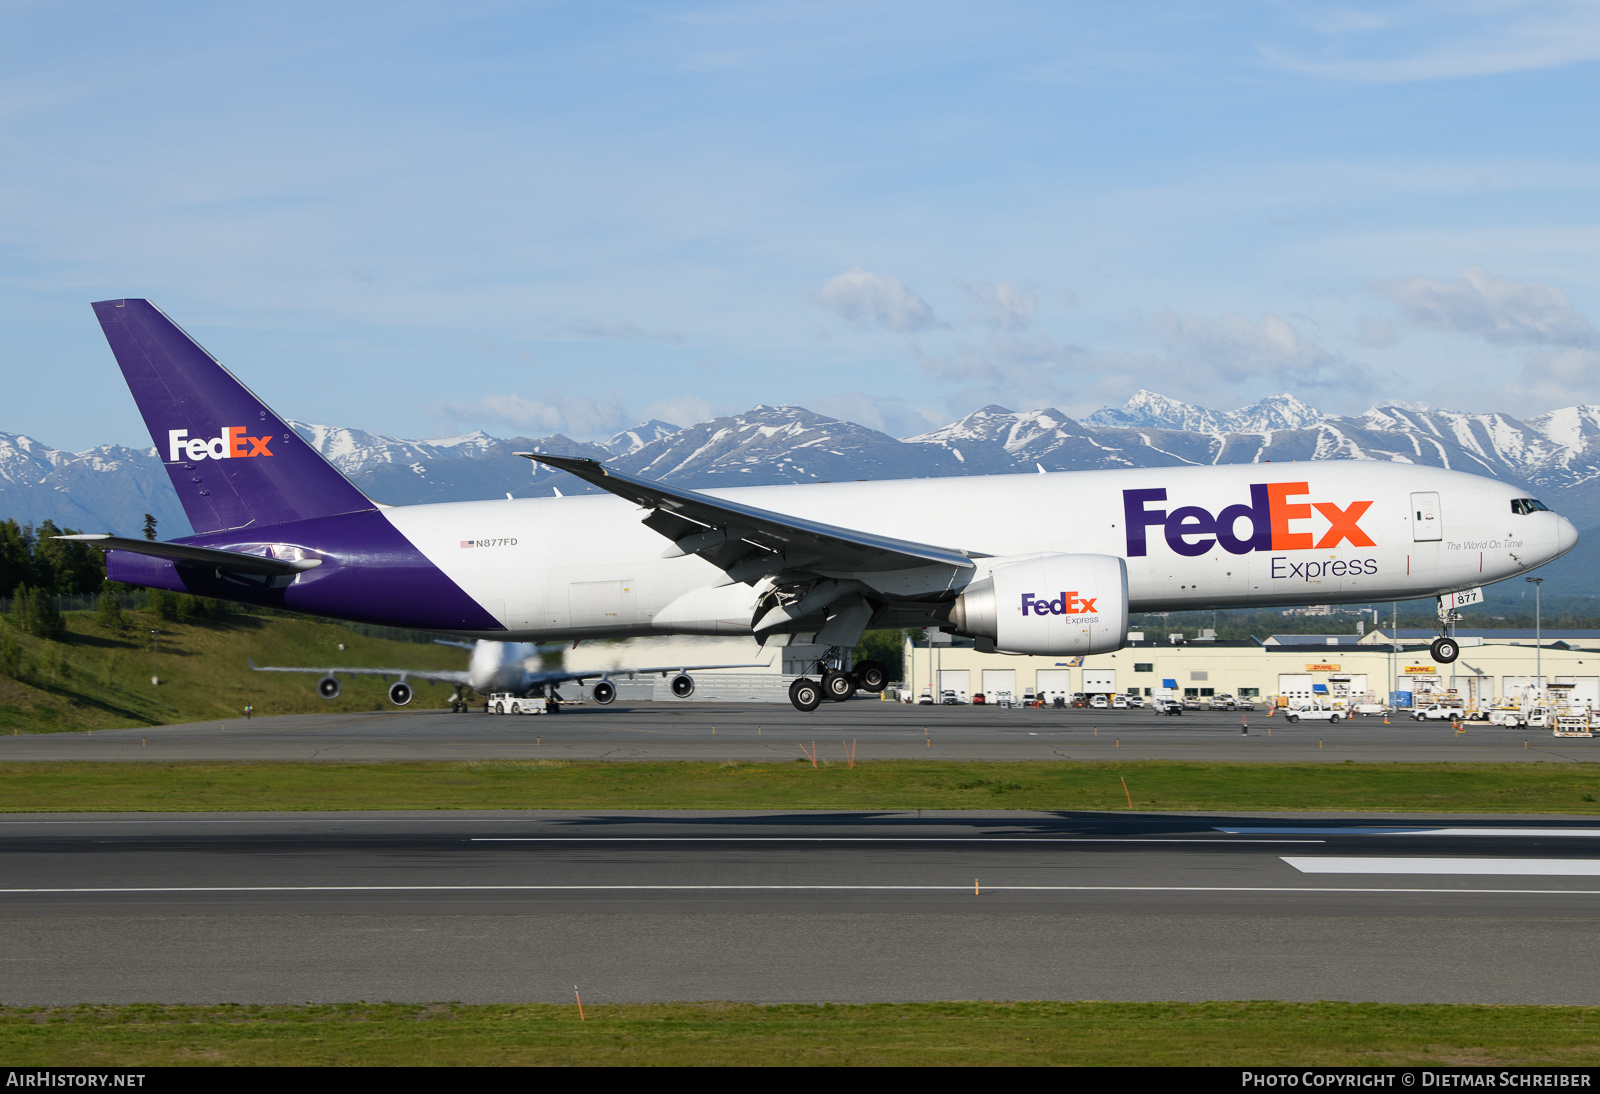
(1068, 603)
(231, 444)
(1277, 522)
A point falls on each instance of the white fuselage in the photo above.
(585, 566)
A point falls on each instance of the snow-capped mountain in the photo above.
(1146, 408)
(631, 440)
(106, 489)
(1557, 453)
(775, 444)
(474, 465)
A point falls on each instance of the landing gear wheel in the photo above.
(1444, 650)
(805, 695)
(837, 685)
(872, 677)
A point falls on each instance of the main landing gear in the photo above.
(837, 683)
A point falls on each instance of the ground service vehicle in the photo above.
(1313, 712)
(505, 702)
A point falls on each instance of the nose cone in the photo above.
(1566, 536)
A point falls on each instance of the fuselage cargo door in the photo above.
(597, 604)
(1426, 524)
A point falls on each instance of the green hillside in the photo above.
(98, 676)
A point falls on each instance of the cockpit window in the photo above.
(1523, 506)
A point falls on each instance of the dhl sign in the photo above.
(1322, 668)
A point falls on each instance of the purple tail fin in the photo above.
(232, 460)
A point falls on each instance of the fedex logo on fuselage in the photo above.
(1276, 522)
(1068, 603)
(232, 444)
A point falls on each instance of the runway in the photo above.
(510, 906)
(755, 732)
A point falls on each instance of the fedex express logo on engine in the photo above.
(232, 444)
(1277, 522)
(1068, 603)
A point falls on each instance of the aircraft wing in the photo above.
(560, 676)
(750, 543)
(442, 676)
(236, 561)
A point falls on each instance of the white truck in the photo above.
(1313, 712)
(503, 702)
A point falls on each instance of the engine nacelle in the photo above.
(1050, 604)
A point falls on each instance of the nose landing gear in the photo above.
(1445, 649)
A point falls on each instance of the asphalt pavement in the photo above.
(754, 732)
(519, 906)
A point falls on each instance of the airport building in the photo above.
(1493, 663)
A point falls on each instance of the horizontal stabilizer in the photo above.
(234, 561)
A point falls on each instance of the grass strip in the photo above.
(986, 1034)
(881, 785)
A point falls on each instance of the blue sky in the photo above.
(421, 219)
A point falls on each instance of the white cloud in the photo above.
(887, 414)
(1228, 360)
(1453, 39)
(1562, 378)
(1001, 305)
(581, 417)
(1496, 309)
(684, 410)
(875, 300)
(1236, 349)
(626, 331)
(1035, 370)
(1377, 333)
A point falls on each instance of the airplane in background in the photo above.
(1048, 564)
(515, 668)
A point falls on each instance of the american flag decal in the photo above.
(468, 543)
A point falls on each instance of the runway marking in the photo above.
(864, 839)
(1398, 830)
(1484, 866)
(961, 888)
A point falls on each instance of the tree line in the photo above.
(31, 559)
